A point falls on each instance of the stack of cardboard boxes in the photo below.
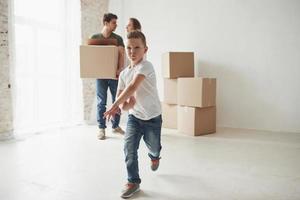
(189, 102)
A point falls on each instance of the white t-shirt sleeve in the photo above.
(145, 69)
(121, 82)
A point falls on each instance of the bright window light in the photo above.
(47, 90)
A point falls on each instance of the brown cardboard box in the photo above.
(197, 92)
(169, 115)
(170, 91)
(98, 61)
(178, 64)
(196, 121)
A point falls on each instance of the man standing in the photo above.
(110, 25)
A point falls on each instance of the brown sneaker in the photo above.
(101, 134)
(130, 189)
(118, 130)
(155, 164)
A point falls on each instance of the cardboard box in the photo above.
(197, 92)
(178, 64)
(98, 61)
(169, 115)
(170, 91)
(196, 121)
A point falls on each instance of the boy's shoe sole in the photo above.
(130, 193)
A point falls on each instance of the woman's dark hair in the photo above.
(136, 24)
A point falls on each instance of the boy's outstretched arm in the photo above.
(125, 94)
(128, 104)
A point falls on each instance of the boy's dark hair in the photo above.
(137, 35)
(107, 17)
(136, 24)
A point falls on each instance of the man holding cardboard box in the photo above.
(110, 25)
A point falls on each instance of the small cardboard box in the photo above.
(169, 115)
(196, 121)
(170, 91)
(178, 64)
(98, 61)
(197, 92)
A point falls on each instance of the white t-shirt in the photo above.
(147, 104)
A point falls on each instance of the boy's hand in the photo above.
(112, 112)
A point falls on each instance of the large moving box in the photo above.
(169, 115)
(98, 61)
(178, 64)
(170, 91)
(197, 92)
(196, 121)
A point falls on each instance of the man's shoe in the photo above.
(118, 130)
(101, 134)
(155, 164)
(130, 189)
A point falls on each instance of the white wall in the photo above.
(251, 46)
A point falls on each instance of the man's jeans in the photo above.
(150, 130)
(101, 89)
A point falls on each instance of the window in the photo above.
(47, 90)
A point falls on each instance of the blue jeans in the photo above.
(101, 91)
(150, 130)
